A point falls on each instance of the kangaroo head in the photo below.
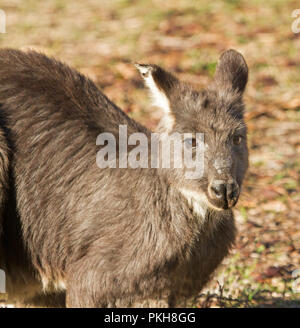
(217, 113)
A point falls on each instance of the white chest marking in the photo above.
(197, 201)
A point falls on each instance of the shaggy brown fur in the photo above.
(111, 237)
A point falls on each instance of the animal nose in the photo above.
(224, 192)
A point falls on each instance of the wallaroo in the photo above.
(114, 237)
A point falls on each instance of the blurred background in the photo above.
(102, 38)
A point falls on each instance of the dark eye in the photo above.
(237, 140)
(191, 142)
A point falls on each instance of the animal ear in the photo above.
(231, 72)
(160, 83)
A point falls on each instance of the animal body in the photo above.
(113, 237)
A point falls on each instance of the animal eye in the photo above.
(191, 142)
(237, 140)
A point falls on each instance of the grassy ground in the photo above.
(103, 38)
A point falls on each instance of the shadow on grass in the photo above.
(262, 299)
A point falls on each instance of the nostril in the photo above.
(231, 195)
(218, 190)
(232, 191)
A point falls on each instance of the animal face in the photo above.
(217, 113)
